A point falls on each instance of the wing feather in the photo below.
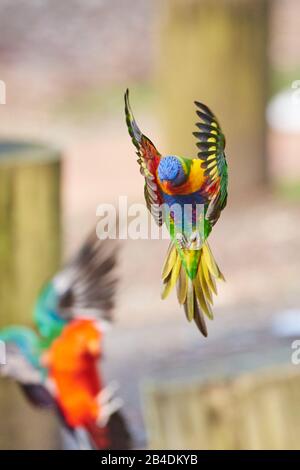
(87, 284)
(148, 159)
(211, 143)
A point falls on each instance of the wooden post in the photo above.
(255, 411)
(29, 226)
(29, 255)
(21, 425)
(215, 51)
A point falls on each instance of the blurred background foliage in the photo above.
(66, 66)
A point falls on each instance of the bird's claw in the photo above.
(191, 243)
(108, 404)
(181, 240)
(195, 241)
(107, 392)
(108, 409)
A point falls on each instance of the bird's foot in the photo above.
(107, 392)
(181, 240)
(108, 403)
(195, 241)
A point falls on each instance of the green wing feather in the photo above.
(148, 159)
(211, 145)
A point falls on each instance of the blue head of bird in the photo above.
(171, 170)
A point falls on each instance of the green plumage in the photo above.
(176, 181)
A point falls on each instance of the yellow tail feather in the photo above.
(196, 295)
(169, 261)
(171, 279)
(182, 286)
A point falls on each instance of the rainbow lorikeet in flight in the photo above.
(57, 365)
(174, 184)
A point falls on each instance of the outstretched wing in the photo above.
(28, 377)
(211, 143)
(148, 160)
(18, 367)
(87, 285)
(21, 365)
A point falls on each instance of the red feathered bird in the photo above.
(58, 367)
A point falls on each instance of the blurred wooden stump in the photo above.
(29, 255)
(21, 425)
(29, 225)
(255, 411)
(215, 51)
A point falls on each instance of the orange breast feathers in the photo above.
(195, 182)
(72, 362)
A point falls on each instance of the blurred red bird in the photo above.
(58, 367)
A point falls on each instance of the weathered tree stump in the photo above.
(256, 411)
(29, 255)
(215, 51)
(29, 226)
(21, 425)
